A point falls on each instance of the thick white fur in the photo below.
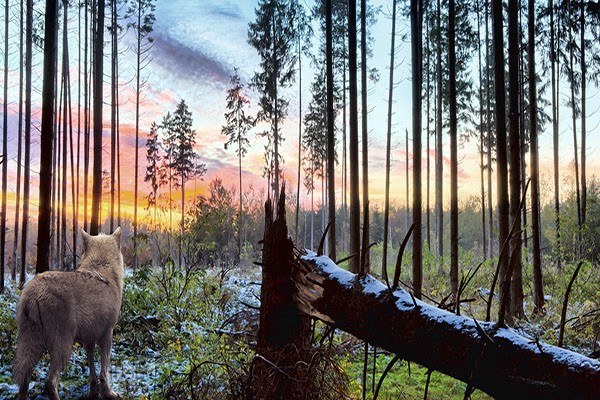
(57, 309)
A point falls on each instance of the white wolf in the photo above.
(57, 309)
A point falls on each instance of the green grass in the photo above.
(174, 337)
(404, 380)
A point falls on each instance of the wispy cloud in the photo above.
(188, 63)
(225, 9)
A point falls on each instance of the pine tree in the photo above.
(314, 141)
(180, 140)
(273, 35)
(155, 174)
(238, 123)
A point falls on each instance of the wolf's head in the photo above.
(105, 249)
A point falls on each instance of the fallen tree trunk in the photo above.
(495, 360)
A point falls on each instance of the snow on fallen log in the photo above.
(495, 360)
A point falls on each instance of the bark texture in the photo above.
(496, 360)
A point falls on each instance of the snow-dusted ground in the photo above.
(137, 373)
(132, 375)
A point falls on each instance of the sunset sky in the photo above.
(197, 46)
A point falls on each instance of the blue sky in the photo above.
(197, 46)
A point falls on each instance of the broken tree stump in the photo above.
(495, 360)
(280, 368)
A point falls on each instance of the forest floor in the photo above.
(190, 335)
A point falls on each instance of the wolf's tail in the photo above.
(31, 345)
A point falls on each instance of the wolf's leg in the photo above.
(29, 352)
(59, 356)
(89, 349)
(105, 344)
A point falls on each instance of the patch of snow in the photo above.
(560, 355)
(8, 388)
(442, 316)
(485, 292)
(246, 291)
(404, 302)
(328, 267)
(371, 285)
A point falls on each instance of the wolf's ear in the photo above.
(86, 239)
(117, 236)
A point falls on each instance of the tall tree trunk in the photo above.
(15, 263)
(386, 210)
(516, 295)
(27, 138)
(297, 213)
(574, 121)
(538, 288)
(4, 152)
(439, 161)
(54, 254)
(312, 208)
(416, 14)
(118, 153)
(74, 201)
(583, 116)
(407, 179)
(182, 231)
(86, 120)
(481, 135)
(488, 117)
(241, 223)
(330, 131)
(66, 108)
(427, 136)
(323, 200)
(275, 189)
(453, 155)
(345, 216)
(98, 83)
(501, 151)
(365, 137)
(555, 141)
(113, 111)
(138, 69)
(354, 186)
(47, 137)
(522, 146)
